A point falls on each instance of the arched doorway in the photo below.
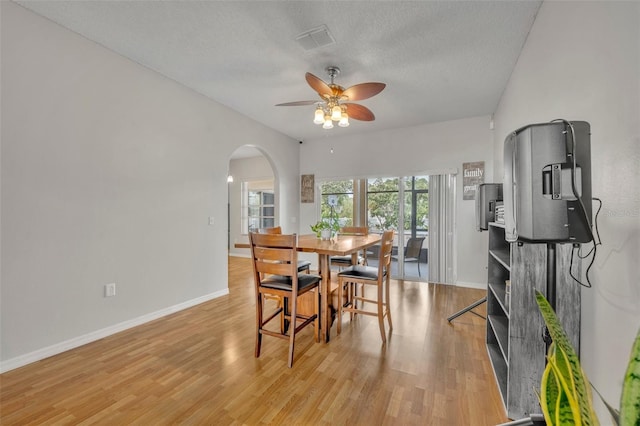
(251, 195)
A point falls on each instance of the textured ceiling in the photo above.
(441, 60)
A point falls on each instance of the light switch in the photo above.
(211, 220)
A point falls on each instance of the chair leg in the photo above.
(292, 329)
(258, 325)
(282, 301)
(316, 323)
(340, 303)
(352, 294)
(381, 314)
(357, 287)
(387, 302)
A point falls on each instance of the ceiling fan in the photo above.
(336, 102)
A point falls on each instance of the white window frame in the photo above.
(264, 186)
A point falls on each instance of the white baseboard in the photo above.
(235, 254)
(479, 286)
(43, 353)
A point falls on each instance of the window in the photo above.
(382, 202)
(343, 190)
(258, 205)
(417, 205)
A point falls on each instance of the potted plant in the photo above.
(324, 228)
(328, 227)
(565, 393)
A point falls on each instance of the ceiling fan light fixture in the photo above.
(344, 120)
(335, 100)
(336, 113)
(318, 118)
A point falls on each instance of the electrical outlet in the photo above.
(109, 290)
(211, 220)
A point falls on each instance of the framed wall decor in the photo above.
(306, 188)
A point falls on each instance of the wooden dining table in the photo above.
(342, 245)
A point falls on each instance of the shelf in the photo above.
(500, 369)
(516, 352)
(499, 293)
(497, 224)
(503, 256)
(500, 326)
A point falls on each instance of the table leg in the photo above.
(325, 288)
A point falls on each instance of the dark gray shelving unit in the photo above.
(515, 328)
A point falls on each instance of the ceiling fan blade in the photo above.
(363, 91)
(359, 112)
(298, 103)
(318, 85)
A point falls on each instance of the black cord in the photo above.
(593, 250)
(595, 220)
(573, 252)
(595, 223)
(593, 259)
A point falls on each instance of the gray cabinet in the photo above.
(515, 328)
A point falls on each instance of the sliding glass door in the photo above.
(421, 209)
(413, 257)
(402, 203)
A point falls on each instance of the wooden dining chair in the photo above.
(379, 277)
(303, 265)
(274, 258)
(346, 261)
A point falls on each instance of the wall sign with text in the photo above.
(472, 176)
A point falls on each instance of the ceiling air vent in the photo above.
(316, 37)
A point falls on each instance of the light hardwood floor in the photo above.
(197, 367)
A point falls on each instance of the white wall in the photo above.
(109, 174)
(430, 148)
(582, 62)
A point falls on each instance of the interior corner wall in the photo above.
(110, 173)
(429, 148)
(581, 61)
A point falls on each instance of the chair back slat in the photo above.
(285, 269)
(274, 230)
(273, 240)
(386, 247)
(275, 254)
(354, 230)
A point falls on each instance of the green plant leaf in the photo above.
(630, 401)
(568, 412)
(550, 392)
(565, 415)
(583, 394)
